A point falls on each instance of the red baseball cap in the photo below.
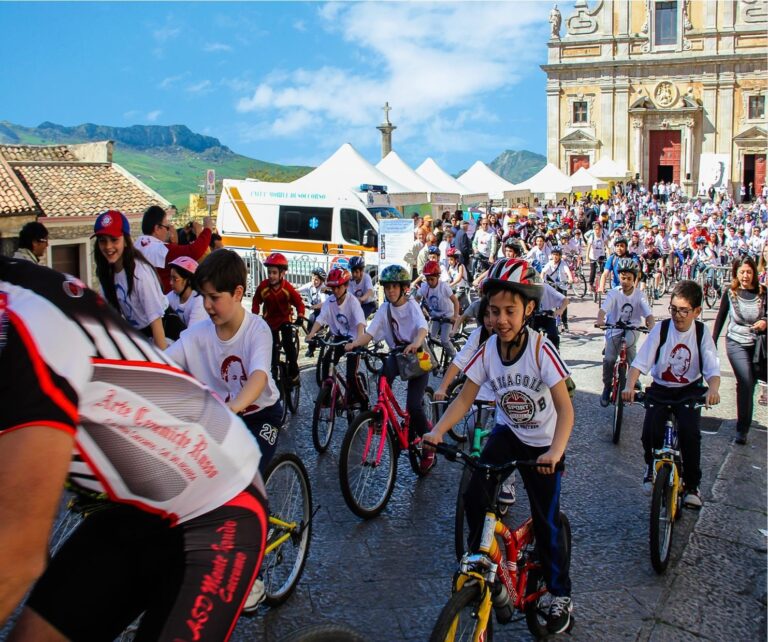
(111, 223)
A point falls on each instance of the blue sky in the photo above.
(288, 82)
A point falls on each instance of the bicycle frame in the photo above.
(622, 360)
(669, 454)
(387, 406)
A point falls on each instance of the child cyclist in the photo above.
(678, 365)
(230, 353)
(344, 315)
(278, 296)
(362, 286)
(442, 304)
(626, 304)
(401, 324)
(534, 419)
(314, 291)
(183, 299)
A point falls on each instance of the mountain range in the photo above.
(173, 159)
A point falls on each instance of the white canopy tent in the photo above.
(549, 181)
(346, 169)
(432, 172)
(609, 169)
(394, 166)
(582, 180)
(480, 179)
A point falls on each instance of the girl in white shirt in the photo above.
(127, 280)
(182, 298)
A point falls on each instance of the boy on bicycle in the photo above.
(278, 297)
(625, 304)
(230, 352)
(534, 419)
(442, 304)
(678, 366)
(344, 315)
(400, 323)
(362, 286)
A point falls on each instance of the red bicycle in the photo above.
(369, 453)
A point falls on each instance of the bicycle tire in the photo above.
(458, 432)
(357, 477)
(535, 614)
(290, 499)
(580, 285)
(280, 378)
(662, 284)
(452, 627)
(618, 404)
(323, 418)
(414, 451)
(710, 296)
(294, 394)
(325, 633)
(460, 529)
(319, 365)
(662, 524)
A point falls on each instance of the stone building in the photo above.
(672, 90)
(66, 187)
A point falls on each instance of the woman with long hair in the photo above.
(744, 307)
(128, 282)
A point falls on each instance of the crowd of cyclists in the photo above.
(171, 311)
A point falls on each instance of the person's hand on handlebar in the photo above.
(440, 394)
(713, 397)
(628, 395)
(412, 348)
(548, 460)
(432, 437)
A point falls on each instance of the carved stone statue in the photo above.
(555, 20)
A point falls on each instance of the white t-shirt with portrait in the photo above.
(407, 319)
(153, 249)
(342, 319)
(437, 299)
(147, 301)
(521, 387)
(191, 311)
(630, 309)
(224, 366)
(359, 289)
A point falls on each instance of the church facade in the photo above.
(671, 90)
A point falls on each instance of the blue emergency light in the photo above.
(379, 189)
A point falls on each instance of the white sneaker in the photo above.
(692, 498)
(507, 493)
(257, 595)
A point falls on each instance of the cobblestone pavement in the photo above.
(389, 577)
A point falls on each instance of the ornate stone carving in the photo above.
(584, 22)
(590, 100)
(555, 20)
(665, 94)
(754, 11)
(637, 123)
(686, 15)
(647, 21)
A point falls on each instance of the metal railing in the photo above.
(299, 268)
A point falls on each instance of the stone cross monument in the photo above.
(386, 128)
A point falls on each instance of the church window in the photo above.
(665, 32)
(756, 107)
(580, 112)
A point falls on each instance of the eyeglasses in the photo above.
(683, 312)
(42, 240)
(167, 227)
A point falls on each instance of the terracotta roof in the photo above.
(86, 189)
(21, 153)
(14, 198)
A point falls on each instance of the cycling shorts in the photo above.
(190, 581)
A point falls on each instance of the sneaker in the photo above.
(648, 479)
(559, 618)
(605, 398)
(428, 460)
(507, 493)
(692, 498)
(256, 596)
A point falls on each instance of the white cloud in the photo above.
(215, 47)
(166, 33)
(170, 81)
(199, 87)
(300, 25)
(154, 115)
(424, 58)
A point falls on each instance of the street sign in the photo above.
(210, 199)
(210, 182)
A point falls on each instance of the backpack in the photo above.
(700, 327)
(570, 384)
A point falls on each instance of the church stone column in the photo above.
(606, 119)
(686, 182)
(725, 112)
(553, 122)
(637, 128)
(621, 126)
(709, 122)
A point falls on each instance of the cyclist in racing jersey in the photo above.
(650, 257)
(278, 296)
(182, 532)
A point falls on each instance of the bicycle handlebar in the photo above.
(451, 453)
(648, 400)
(622, 326)
(331, 344)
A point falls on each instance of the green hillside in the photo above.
(517, 166)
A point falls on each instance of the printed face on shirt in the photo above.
(112, 248)
(626, 313)
(679, 362)
(220, 306)
(343, 322)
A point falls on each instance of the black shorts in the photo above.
(190, 581)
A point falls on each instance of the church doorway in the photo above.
(664, 156)
(754, 172)
(579, 161)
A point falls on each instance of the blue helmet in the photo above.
(356, 263)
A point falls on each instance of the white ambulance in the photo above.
(279, 217)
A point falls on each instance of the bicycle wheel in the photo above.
(459, 621)
(460, 529)
(281, 381)
(319, 365)
(323, 418)
(662, 524)
(459, 432)
(414, 451)
(365, 483)
(580, 285)
(290, 500)
(710, 295)
(294, 394)
(325, 633)
(618, 404)
(662, 284)
(537, 612)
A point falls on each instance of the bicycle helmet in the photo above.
(337, 276)
(395, 274)
(433, 249)
(185, 263)
(431, 268)
(620, 240)
(356, 263)
(452, 251)
(515, 275)
(700, 240)
(557, 250)
(320, 273)
(276, 260)
(627, 265)
(649, 240)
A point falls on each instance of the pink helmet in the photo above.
(185, 263)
